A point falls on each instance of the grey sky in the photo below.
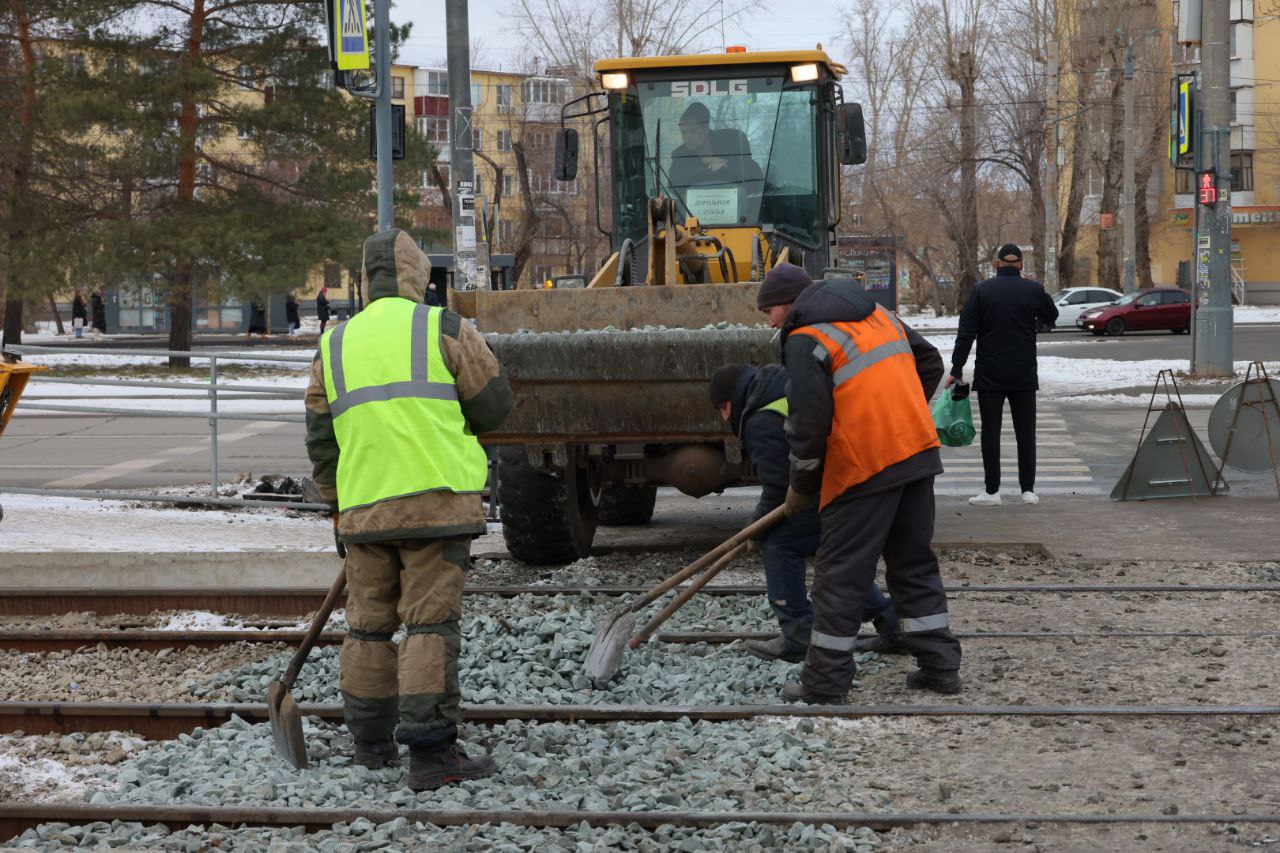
(805, 23)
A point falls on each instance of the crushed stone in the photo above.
(362, 835)
(60, 768)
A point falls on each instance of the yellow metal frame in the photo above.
(712, 60)
(13, 381)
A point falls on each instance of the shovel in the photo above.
(286, 717)
(614, 634)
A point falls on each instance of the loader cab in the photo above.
(748, 144)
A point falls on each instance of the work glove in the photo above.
(797, 502)
(342, 549)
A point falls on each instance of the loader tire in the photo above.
(625, 506)
(548, 513)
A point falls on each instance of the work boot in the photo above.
(376, 754)
(430, 769)
(776, 648)
(795, 691)
(945, 681)
(881, 645)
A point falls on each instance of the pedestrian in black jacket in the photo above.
(322, 308)
(98, 306)
(1002, 315)
(79, 313)
(753, 402)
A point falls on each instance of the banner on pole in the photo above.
(349, 36)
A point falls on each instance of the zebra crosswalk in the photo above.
(1059, 470)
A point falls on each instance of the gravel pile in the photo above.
(1267, 572)
(362, 835)
(629, 766)
(530, 650)
(101, 674)
(59, 767)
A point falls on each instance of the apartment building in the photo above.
(1255, 167)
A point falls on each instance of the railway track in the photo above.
(161, 720)
(300, 602)
(43, 641)
(16, 818)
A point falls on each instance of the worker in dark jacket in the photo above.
(754, 405)
(864, 449)
(1002, 315)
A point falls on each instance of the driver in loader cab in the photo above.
(710, 156)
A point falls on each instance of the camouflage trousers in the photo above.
(411, 690)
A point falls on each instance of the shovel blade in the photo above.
(605, 655)
(286, 725)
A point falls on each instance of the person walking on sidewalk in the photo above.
(1002, 315)
(753, 402)
(322, 308)
(865, 450)
(397, 397)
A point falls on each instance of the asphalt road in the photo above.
(1252, 343)
(125, 453)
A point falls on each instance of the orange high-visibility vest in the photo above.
(880, 416)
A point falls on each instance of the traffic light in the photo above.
(1208, 189)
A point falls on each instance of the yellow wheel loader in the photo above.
(719, 167)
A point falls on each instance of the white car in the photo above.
(1074, 301)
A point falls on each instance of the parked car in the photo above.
(1074, 301)
(1142, 311)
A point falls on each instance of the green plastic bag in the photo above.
(953, 418)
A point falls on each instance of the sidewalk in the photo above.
(47, 546)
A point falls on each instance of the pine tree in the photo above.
(234, 160)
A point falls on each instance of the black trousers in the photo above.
(856, 532)
(1022, 406)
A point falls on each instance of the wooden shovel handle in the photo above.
(317, 625)
(642, 636)
(752, 530)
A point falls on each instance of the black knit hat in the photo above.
(782, 285)
(724, 382)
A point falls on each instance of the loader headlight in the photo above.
(614, 80)
(806, 73)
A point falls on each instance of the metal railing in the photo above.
(211, 389)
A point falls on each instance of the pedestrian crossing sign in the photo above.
(349, 35)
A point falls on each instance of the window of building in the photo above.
(477, 138)
(1185, 182)
(437, 83)
(541, 274)
(504, 140)
(244, 76)
(424, 178)
(503, 94)
(1234, 115)
(477, 94)
(397, 87)
(243, 132)
(434, 128)
(542, 92)
(75, 63)
(508, 185)
(1242, 172)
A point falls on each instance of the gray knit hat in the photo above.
(782, 285)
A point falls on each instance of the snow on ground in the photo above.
(33, 523)
(1251, 314)
(1072, 377)
(928, 320)
(203, 620)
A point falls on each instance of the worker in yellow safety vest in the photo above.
(397, 396)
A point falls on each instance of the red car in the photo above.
(1154, 309)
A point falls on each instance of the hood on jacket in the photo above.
(757, 388)
(836, 300)
(395, 266)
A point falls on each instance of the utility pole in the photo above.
(382, 112)
(470, 255)
(1129, 202)
(1212, 347)
(1051, 169)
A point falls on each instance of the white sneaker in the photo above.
(985, 499)
(1030, 498)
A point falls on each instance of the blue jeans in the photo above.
(785, 549)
